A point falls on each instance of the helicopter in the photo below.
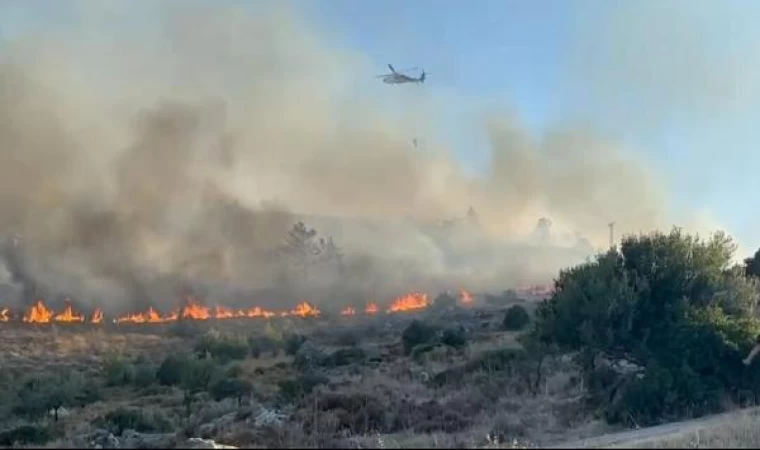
(399, 78)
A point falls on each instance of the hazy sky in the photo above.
(675, 80)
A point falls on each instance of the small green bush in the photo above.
(170, 371)
(230, 388)
(296, 388)
(417, 333)
(25, 435)
(454, 337)
(516, 318)
(234, 371)
(344, 357)
(222, 347)
(117, 371)
(120, 419)
(144, 375)
(198, 374)
(293, 343)
(259, 345)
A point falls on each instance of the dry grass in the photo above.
(388, 403)
(743, 432)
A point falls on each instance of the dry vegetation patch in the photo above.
(463, 381)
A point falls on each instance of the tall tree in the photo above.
(752, 265)
(301, 245)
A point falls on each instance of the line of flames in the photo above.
(39, 313)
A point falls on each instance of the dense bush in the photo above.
(295, 388)
(120, 419)
(230, 388)
(417, 333)
(31, 435)
(222, 347)
(344, 357)
(44, 393)
(672, 305)
(516, 318)
(259, 344)
(117, 371)
(170, 371)
(293, 343)
(144, 374)
(454, 337)
(197, 375)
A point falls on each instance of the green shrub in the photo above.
(198, 374)
(671, 303)
(117, 371)
(25, 435)
(348, 338)
(293, 343)
(454, 337)
(234, 371)
(120, 419)
(259, 345)
(170, 371)
(419, 350)
(222, 347)
(230, 388)
(417, 333)
(40, 394)
(516, 318)
(144, 375)
(344, 357)
(292, 389)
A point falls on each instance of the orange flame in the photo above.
(371, 308)
(220, 312)
(258, 312)
(306, 309)
(194, 310)
(410, 302)
(39, 313)
(149, 316)
(466, 298)
(68, 315)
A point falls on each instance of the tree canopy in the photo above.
(670, 303)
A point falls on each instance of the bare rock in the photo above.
(133, 439)
(204, 443)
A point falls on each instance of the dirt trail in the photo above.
(626, 439)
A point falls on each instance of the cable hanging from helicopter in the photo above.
(397, 77)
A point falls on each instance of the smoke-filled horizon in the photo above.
(139, 168)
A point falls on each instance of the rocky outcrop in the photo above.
(204, 443)
(128, 439)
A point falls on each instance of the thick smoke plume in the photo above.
(140, 165)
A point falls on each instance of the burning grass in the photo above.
(193, 309)
(290, 382)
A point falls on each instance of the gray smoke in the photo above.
(139, 168)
